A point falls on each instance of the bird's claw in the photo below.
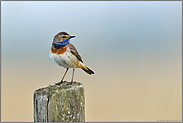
(60, 82)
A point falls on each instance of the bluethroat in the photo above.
(66, 55)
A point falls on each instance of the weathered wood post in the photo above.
(60, 103)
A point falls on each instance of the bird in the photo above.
(65, 54)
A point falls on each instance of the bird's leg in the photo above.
(63, 77)
(72, 76)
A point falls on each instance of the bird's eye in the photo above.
(63, 37)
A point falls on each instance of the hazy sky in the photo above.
(134, 47)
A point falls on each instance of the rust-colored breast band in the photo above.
(53, 50)
(59, 51)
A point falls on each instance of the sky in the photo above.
(134, 48)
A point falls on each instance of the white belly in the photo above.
(67, 60)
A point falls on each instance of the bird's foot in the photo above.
(60, 82)
(71, 83)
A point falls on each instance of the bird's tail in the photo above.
(85, 68)
(88, 70)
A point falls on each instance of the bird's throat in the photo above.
(59, 45)
(56, 46)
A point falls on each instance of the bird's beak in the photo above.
(72, 36)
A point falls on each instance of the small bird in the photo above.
(66, 55)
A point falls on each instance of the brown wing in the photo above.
(74, 51)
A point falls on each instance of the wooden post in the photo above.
(60, 103)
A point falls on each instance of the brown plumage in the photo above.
(80, 64)
(74, 51)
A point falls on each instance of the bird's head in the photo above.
(61, 39)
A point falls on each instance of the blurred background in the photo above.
(134, 48)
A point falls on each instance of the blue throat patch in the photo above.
(66, 41)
